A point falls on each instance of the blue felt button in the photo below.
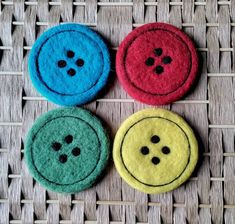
(69, 64)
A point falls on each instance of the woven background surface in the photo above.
(208, 197)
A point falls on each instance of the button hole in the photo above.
(76, 151)
(166, 150)
(63, 158)
(71, 72)
(159, 69)
(166, 60)
(155, 160)
(70, 54)
(144, 150)
(158, 51)
(56, 146)
(61, 63)
(68, 139)
(80, 62)
(155, 139)
(149, 61)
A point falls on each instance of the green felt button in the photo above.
(67, 149)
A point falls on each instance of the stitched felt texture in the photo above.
(157, 63)
(69, 64)
(155, 151)
(67, 149)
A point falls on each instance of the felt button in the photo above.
(157, 63)
(67, 149)
(69, 64)
(155, 151)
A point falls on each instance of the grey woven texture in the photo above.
(208, 197)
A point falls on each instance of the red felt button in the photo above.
(157, 63)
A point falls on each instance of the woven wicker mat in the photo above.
(208, 197)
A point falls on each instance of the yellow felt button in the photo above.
(155, 151)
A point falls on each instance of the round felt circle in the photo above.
(155, 151)
(67, 149)
(69, 64)
(157, 63)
